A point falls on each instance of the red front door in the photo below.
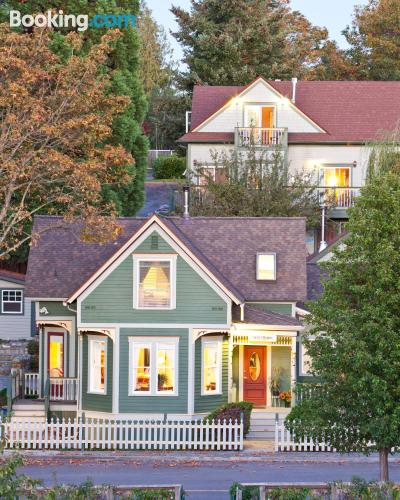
(255, 375)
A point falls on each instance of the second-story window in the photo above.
(12, 301)
(154, 286)
(266, 266)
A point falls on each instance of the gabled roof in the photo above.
(350, 111)
(12, 276)
(59, 264)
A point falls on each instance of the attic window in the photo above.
(266, 266)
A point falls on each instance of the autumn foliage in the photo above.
(55, 120)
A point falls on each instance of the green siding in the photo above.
(112, 300)
(273, 307)
(153, 404)
(97, 402)
(281, 358)
(56, 309)
(206, 404)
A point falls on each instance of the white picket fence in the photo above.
(284, 441)
(94, 433)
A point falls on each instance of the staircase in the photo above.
(25, 410)
(262, 423)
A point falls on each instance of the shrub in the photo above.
(33, 347)
(169, 167)
(233, 411)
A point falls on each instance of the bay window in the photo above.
(97, 365)
(211, 365)
(153, 366)
(154, 282)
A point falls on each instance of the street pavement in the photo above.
(204, 475)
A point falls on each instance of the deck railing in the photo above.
(31, 384)
(260, 137)
(122, 434)
(338, 197)
(63, 389)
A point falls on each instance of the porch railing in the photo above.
(14, 388)
(31, 384)
(338, 197)
(63, 389)
(260, 137)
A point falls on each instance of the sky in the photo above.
(333, 14)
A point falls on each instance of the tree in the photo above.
(258, 185)
(122, 64)
(356, 325)
(55, 122)
(375, 40)
(233, 42)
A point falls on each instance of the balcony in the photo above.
(338, 197)
(261, 137)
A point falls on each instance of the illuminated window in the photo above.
(97, 365)
(153, 365)
(336, 177)
(266, 266)
(211, 365)
(155, 283)
(12, 301)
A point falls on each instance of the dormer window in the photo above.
(266, 266)
(154, 282)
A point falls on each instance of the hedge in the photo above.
(169, 167)
(233, 411)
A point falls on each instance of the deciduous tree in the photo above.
(55, 122)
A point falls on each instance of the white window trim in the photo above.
(12, 302)
(204, 342)
(275, 266)
(91, 339)
(149, 258)
(153, 343)
(302, 373)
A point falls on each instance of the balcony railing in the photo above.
(338, 197)
(63, 389)
(261, 137)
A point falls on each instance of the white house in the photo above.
(323, 126)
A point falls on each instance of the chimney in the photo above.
(186, 189)
(294, 85)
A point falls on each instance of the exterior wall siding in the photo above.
(97, 402)
(153, 404)
(112, 300)
(55, 309)
(207, 404)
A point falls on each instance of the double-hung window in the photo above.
(12, 301)
(154, 282)
(211, 365)
(97, 365)
(153, 366)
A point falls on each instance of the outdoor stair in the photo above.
(262, 423)
(25, 410)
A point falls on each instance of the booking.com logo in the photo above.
(81, 21)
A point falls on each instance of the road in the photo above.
(207, 480)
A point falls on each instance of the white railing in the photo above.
(31, 384)
(284, 441)
(259, 136)
(122, 434)
(63, 389)
(339, 197)
(15, 385)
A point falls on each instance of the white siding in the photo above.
(15, 326)
(233, 114)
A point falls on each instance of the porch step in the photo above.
(262, 424)
(26, 410)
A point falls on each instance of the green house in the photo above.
(175, 317)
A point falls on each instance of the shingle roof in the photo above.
(12, 276)
(261, 317)
(59, 264)
(350, 111)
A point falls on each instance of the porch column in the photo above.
(230, 376)
(293, 368)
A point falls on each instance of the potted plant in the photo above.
(286, 397)
(275, 383)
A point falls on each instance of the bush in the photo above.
(33, 347)
(233, 411)
(169, 167)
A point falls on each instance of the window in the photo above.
(12, 301)
(155, 282)
(153, 367)
(305, 361)
(211, 365)
(336, 177)
(97, 366)
(266, 266)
